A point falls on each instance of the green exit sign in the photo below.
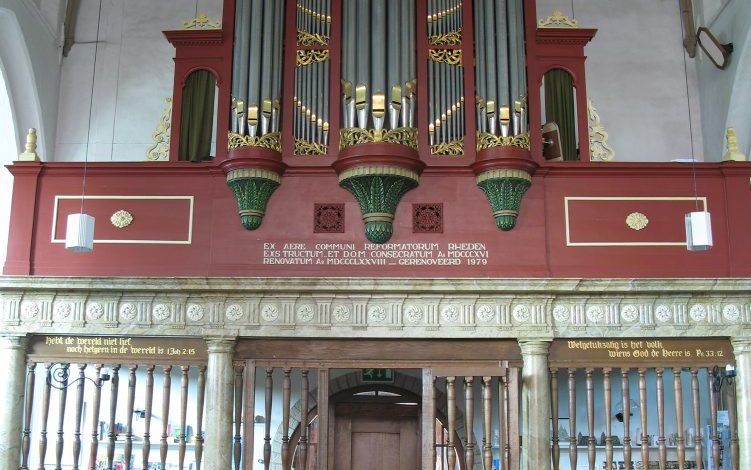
(378, 376)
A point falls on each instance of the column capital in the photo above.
(535, 346)
(14, 342)
(220, 344)
(741, 345)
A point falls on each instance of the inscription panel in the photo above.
(117, 348)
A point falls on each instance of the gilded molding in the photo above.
(159, 150)
(455, 147)
(448, 56)
(354, 136)
(202, 21)
(503, 173)
(636, 221)
(599, 150)
(311, 56)
(121, 218)
(272, 141)
(305, 38)
(451, 38)
(486, 140)
(303, 147)
(557, 20)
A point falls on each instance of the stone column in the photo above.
(535, 404)
(742, 351)
(219, 403)
(13, 374)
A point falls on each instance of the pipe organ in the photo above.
(388, 83)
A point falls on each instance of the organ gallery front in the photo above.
(383, 238)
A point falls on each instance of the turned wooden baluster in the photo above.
(573, 439)
(451, 409)
(45, 415)
(502, 420)
(643, 412)
(239, 369)
(147, 416)
(184, 382)
(555, 452)
(286, 396)
(200, 395)
(129, 416)
(267, 435)
(678, 392)
(591, 452)
(626, 403)
(733, 418)
(166, 391)
(713, 421)
(115, 383)
(94, 446)
(302, 445)
(28, 403)
(487, 420)
(661, 449)
(469, 419)
(61, 418)
(79, 412)
(696, 400)
(608, 430)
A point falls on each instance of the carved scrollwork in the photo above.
(202, 21)
(303, 147)
(558, 20)
(451, 38)
(159, 150)
(455, 147)
(311, 56)
(486, 141)
(305, 38)
(448, 56)
(355, 136)
(599, 150)
(272, 141)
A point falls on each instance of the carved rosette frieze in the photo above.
(504, 189)
(252, 188)
(378, 190)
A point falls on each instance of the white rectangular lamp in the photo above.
(79, 233)
(698, 231)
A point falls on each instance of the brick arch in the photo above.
(351, 381)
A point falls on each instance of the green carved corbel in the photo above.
(252, 188)
(378, 190)
(504, 189)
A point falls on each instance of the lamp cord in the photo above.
(690, 120)
(91, 107)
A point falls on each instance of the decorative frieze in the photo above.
(370, 307)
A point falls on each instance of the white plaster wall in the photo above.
(8, 147)
(133, 76)
(636, 76)
(30, 49)
(725, 94)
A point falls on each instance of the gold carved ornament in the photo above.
(636, 221)
(449, 56)
(558, 20)
(452, 38)
(159, 150)
(121, 218)
(303, 147)
(599, 150)
(455, 147)
(311, 57)
(202, 21)
(486, 140)
(305, 38)
(272, 141)
(401, 135)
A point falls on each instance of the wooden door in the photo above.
(376, 437)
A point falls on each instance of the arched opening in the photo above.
(8, 151)
(558, 98)
(198, 117)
